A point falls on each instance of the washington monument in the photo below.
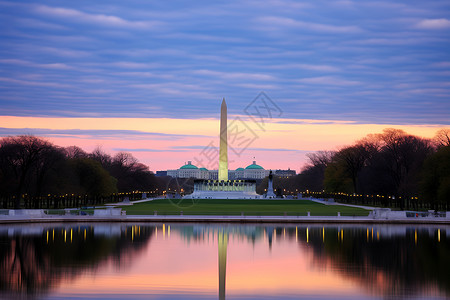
(223, 188)
(223, 154)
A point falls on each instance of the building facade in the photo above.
(252, 171)
(285, 173)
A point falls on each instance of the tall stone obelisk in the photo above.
(223, 154)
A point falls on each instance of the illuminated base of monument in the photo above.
(230, 189)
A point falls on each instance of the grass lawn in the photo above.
(236, 207)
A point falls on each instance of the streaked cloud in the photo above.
(234, 75)
(20, 62)
(329, 80)
(98, 19)
(434, 24)
(275, 22)
(147, 150)
(94, 134)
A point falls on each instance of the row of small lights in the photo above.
(355, 195)
(79, 196)
(344, 194)
(175, 190)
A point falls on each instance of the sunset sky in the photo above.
(148, 77)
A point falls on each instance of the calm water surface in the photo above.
(197, 261)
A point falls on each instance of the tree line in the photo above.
(35, 173)
(392, 168)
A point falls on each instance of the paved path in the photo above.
(145, 200)
(342, 204)
(127, 203)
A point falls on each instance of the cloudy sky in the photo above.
(148, 76)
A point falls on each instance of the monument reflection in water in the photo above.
(175, 261)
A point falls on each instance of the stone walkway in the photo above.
(32, 216)
(127, 203)
(145, 200)
(321, 201)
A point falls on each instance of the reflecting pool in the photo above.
(224, 261)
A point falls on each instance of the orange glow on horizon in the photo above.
(163, 143)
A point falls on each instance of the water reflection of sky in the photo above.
(174, 261)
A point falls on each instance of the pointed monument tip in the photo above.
(223, 102)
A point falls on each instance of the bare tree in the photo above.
(353, 159)
(320, 158)
(125, 160)
(75, 152)
(22, 154)
(50, 159)
(102, 157)
(123, 168)
(442, 137)
(403, 156)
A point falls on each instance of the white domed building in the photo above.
(255, 171)
(188, 170)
